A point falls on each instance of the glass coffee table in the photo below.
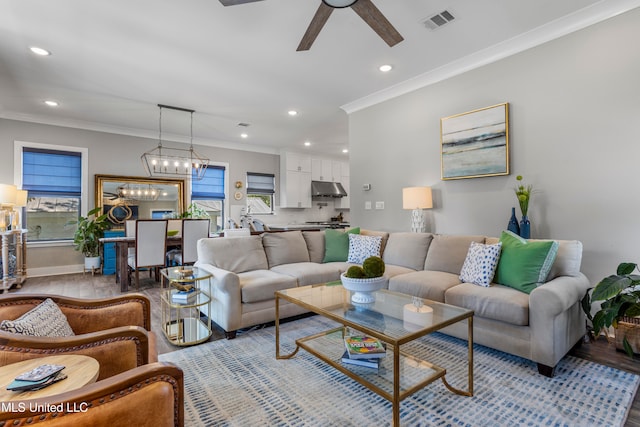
(404, 374)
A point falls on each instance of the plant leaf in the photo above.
(586, 304)
(610, 287)
(633, 310)
(626, 268)
(627, 347)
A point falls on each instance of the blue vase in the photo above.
(525, 227)
(513, 223)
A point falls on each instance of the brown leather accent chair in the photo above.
(114, 331)
(149, 395)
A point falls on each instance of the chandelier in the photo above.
(174, 162)
(144, 193)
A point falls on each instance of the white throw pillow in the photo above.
(362, 247)
(44, 320)
(480, 265)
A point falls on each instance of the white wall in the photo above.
(575, 136)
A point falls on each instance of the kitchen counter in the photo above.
(307, 226)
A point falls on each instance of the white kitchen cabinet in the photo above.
(295, 181)
(326, 170)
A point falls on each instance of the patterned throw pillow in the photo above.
(362, 247)
(480, 265)
(44, 320)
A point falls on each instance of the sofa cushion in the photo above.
(480, 265)
(524, 264)
(315, 245)
(495, 302)
(448, 252)
(285, 248)
(363, 247)
(238, 254)
(44, 320)
(336, 244)
(309, 273)
(424, 284)
(407, 249)
(260, 285)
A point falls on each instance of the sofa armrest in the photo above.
(556, 318)
(226, 303)
(116, 350)
(558, 295)
(148, 395)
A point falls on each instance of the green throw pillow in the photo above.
(336, 244)
(524, 264)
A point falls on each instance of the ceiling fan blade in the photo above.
(376, 20)
(235, 2)
(318, 21)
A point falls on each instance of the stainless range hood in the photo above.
(327, 189)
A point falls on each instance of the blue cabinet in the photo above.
(109, 252)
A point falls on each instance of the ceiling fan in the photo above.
(365, 8)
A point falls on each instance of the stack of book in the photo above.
(184, 297)
(38, 378)
(363, 351)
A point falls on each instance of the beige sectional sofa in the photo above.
(541, 326)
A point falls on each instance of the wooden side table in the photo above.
(80, 371)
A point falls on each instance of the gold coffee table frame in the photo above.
(382, 320)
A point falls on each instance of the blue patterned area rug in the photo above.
(240, 383)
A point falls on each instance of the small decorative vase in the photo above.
(525, 227)
(513, 223)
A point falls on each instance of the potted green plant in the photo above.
(195, 211)
(620, 307)
(86, 237)
(365, 280)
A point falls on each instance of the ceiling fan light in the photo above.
(337, 4)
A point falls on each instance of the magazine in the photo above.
(364, 347)
(369, 363)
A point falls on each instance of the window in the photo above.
(209, 194)
(54, 180)
(260, 190)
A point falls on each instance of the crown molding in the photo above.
(139, 133)
(578, 20)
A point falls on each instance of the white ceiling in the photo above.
(113, 61)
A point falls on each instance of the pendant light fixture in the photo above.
(174, 162)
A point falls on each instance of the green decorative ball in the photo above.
(373, 266)
(355, 272)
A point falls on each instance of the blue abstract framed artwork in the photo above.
(475, 144)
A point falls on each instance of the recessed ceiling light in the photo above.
(345, 151)
(244, 135)
(293, 113)
(51, 103)
(307, 144)
(39, 51)
(385, 68)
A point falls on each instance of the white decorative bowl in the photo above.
(363, 288)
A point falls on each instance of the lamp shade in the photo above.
(339, 3)
(417, 198)
(8, 194)
(21, 198)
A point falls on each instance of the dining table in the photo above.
(122, 245)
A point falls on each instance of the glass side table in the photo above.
(181, 319)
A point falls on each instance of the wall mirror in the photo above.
(127, 197)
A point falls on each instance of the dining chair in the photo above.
(192, 230)
(150, 249)
(258, 225)
(237, 232)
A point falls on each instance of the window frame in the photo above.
(18, 148)
(271, 194)
(225, 201)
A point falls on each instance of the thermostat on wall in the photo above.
(366, 187)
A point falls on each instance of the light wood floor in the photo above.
(98, 286)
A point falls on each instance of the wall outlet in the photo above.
(379, 205)
(367, 205)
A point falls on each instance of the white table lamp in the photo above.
(417, 199)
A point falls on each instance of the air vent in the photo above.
(438, 20)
